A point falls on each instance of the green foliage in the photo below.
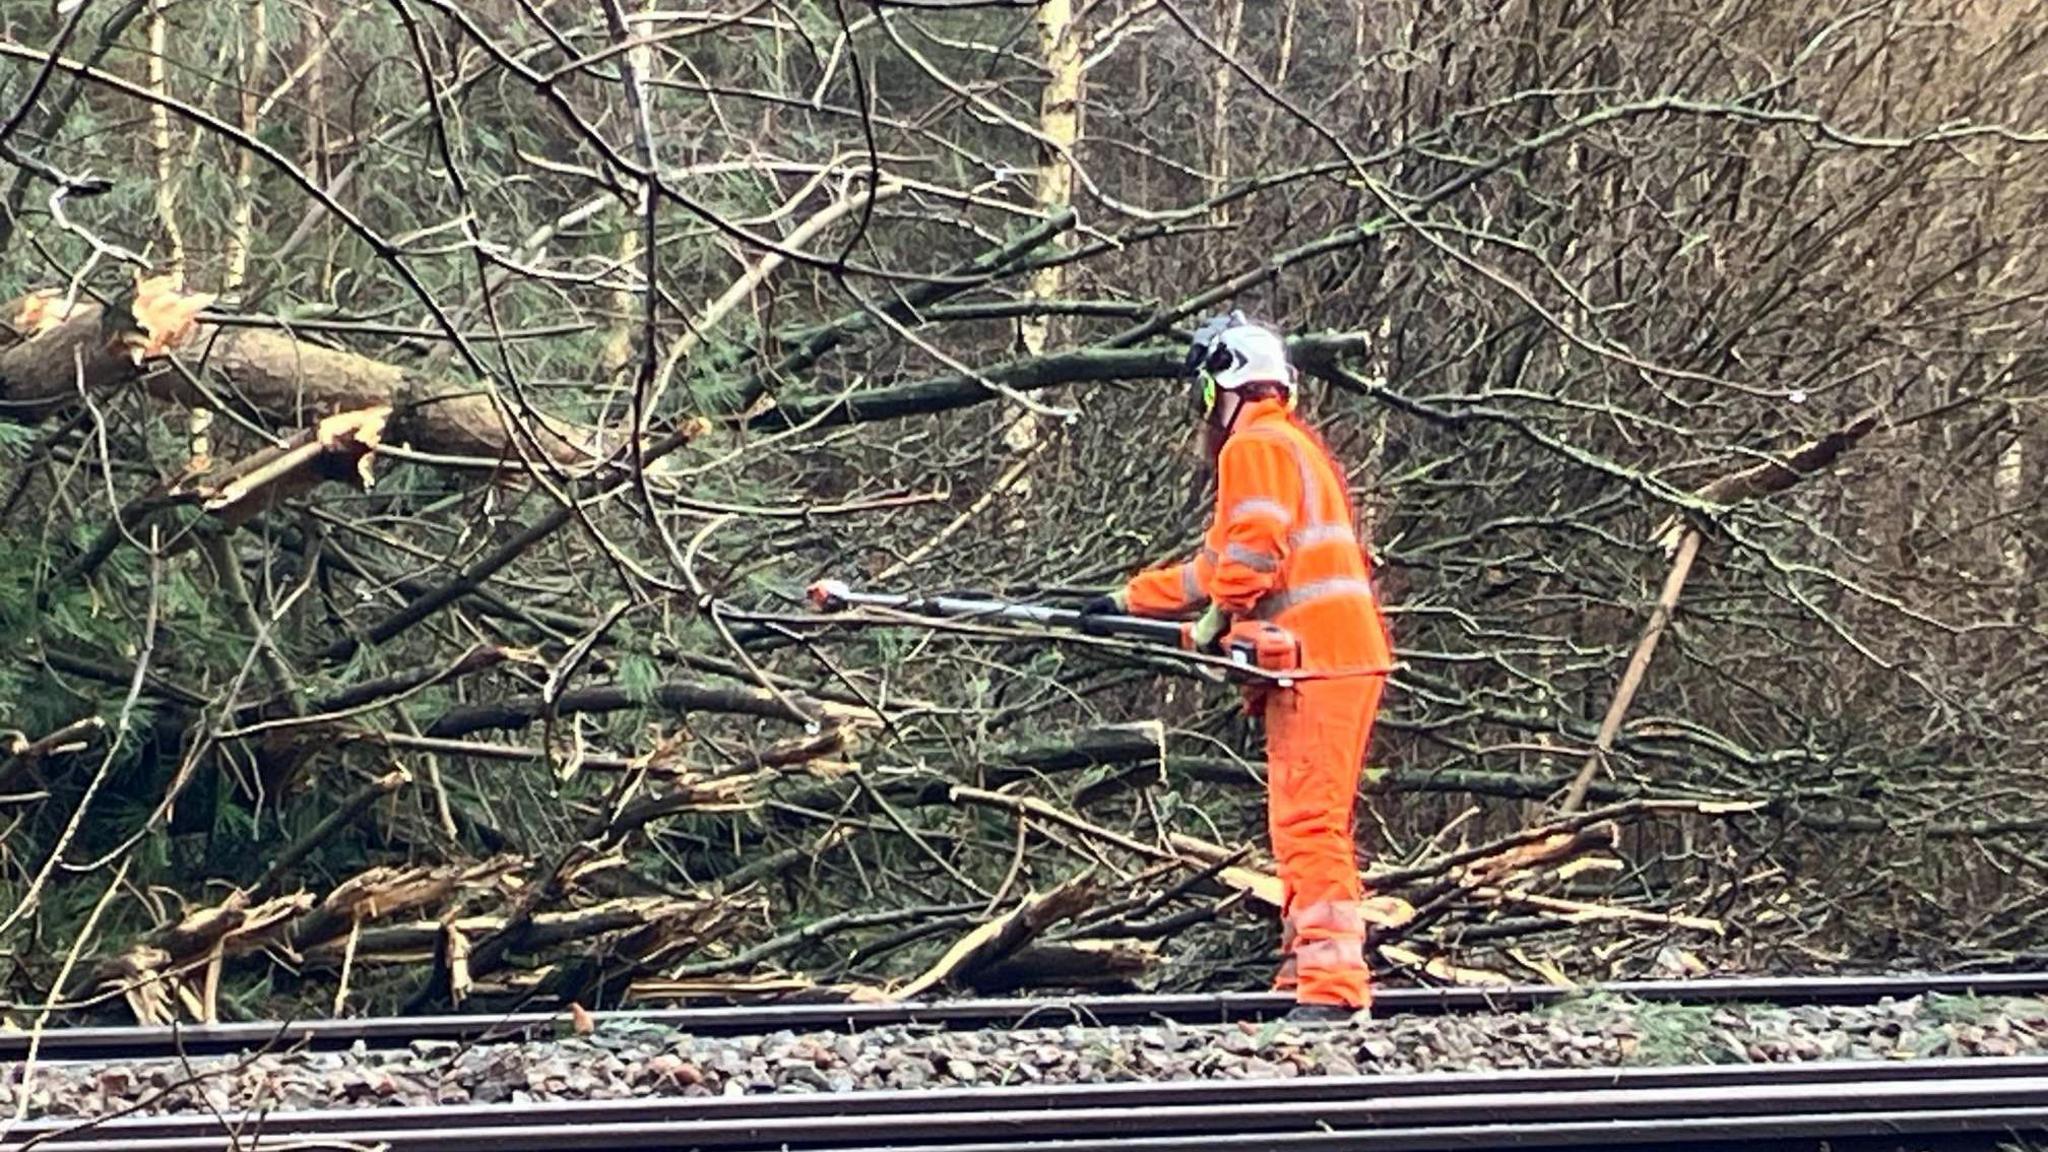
(1665, 1033)
(1950, 1010)
(234, 824)
(639, 676)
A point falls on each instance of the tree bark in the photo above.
(285, 380)
(945, 393)
(678, 696)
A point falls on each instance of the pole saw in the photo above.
(1254, 650)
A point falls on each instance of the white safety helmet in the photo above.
(1229, 352)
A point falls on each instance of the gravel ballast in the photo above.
(622, 1060)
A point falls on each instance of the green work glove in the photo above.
(1206, 630)
(1117, 603)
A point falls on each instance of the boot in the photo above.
(1318, 1015)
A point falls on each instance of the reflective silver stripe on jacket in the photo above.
(1302, 465)
(1190, 585)
(1270, 607)
(1252, 558)
(1316, 530)
(1320, 534)
(1259, 505)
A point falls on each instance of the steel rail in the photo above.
(87, 1043)
(1965, 1130)
(1155, 1095)
(1369, 1113)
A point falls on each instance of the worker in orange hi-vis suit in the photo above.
(1283, 547)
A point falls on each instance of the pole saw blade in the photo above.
(837, 596)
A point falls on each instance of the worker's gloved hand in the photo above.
(1116, 603)
(1205, 632)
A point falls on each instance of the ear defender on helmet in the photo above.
(1229, 352)
(1220, 358)
(1205, 339)
(1201, 357)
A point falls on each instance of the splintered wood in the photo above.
(341, 447)
(1415, 914)
(176, 970)
(375, 919)
(538, 931)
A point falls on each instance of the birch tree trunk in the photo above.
(1059, 122)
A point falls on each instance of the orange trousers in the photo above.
(1316, 738)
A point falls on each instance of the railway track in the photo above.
(102, 1043)
(1937, 1103)
(1974, 1104)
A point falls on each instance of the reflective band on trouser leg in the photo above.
(1288, 978)
(1315, 745)
(1330, 939)
(1330, 956)
(1337, 917)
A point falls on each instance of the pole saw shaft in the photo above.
(835, 595)
(1255, 651)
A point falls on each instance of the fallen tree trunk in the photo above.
(1077, 366)
(385, 892)
(1096, 965)
(414, 941)
(63, 347)
(1136, 745)
(513, 712)
(1001, 938)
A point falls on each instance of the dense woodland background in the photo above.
(421, 417)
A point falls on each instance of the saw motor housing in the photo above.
(1263, 646)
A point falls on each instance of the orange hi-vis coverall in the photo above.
(1282, 547)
